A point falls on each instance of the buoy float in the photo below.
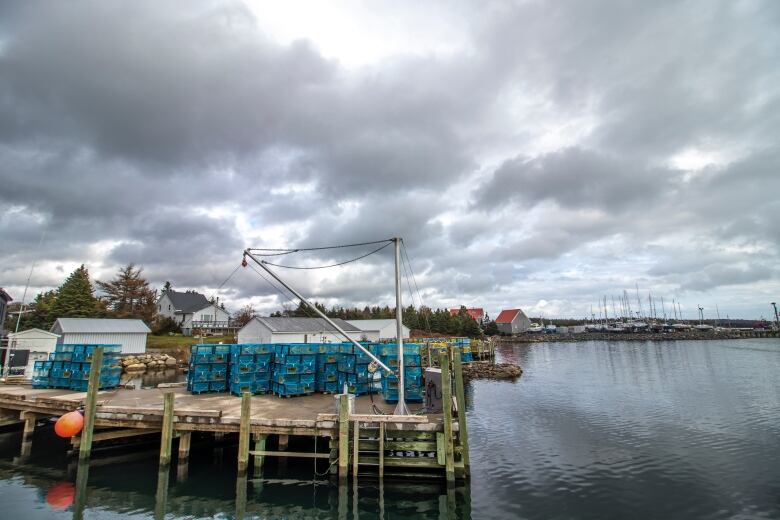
(69, 424)
(61, 495)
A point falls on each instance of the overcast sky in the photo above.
(531, 154)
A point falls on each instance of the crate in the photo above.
(62, 356)
(330, 387)
(293, 389)
(306, 359)
(392, 397)
(327, 368)
(467, 357)
(410, 360)
(219, 358)
(324, 358)
(218, 373)
(242, 358)
(263, 370)
(41, 382)
(200, 373)
(218, 386)
(199, 387)
(327, 377)
(262, 387)
(242, 349)
(243, 368)
(264, 358)
(392, 349)
(264, 348)
(42, 368)
(293, 378)
(240, 388)
(200, 354)
(242, 377)
(296, 348)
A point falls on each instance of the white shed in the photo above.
(386, 328)
(29, 346)
(299, 330)
(131, 334)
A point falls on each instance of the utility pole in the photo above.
(400, 408)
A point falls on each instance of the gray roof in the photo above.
(100, 325)
(305, 325)
(371, 325)
(186, 302)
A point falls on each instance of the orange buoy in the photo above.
(69, 424)
(61, 495)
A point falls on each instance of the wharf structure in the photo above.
(361, 438)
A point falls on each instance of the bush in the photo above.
(165, 325)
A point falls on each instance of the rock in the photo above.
(135, 367)
(485, 370)
(170, 362)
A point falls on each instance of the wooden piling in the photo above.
(463, 435)
(167, 429)
(29, 419)
(244, 433)
(355, 447)
(185, 441)
(343, 436)
(284, 442)
(259, 447)
(85, 448)
(449, 454)
(381, 450)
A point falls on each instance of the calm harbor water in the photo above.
(592, 430)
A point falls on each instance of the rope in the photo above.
(331, 265)
(229, 277)
(295, 250)
(282, 293)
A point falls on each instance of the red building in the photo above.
(476, 313)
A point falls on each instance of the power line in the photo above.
(331, 265)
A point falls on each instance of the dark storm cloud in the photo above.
(161, 130)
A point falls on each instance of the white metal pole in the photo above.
(400, 409)
(315, 309)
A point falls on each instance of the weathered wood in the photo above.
(381, 454)
(440, 449)
(29, 419)
(292, 454)
(167, 429)
(244, 433)
(259, 447)
(185, 441)
(449, 456)
(343, 436)
(284, 442)
(370, 445)
(161, 495)
(460, 394)
(116, 434)
(401, 462)
(368, 418)
(91, 402)
(355, 447)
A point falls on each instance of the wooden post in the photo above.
(161, 495)
(244, 433)
(80, 500)
(381, 450)
(29, 419)
(167, 429)
(284, 442)
(85, 448)
(185, 440)
(355, 447)
(461, 397)
(343, 436)
(449, 454)
(241, 485)
(259, 459)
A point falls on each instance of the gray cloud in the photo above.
(535, 163)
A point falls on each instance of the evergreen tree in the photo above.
(41, 315)
(75, 297)
(167, 286)
(129, 295)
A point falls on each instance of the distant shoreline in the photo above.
(641, 336)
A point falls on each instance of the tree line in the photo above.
(127, 295)
(423, 320)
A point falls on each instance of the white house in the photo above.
(192, 310)
(300, 330)
(386, 328)
(29, 346)
(512, 321)
(131, 334)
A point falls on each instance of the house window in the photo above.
(205, 317)
(169, 307)
(159, 307)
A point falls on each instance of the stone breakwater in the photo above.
(144, 362)
(487, 370)
(691, 335)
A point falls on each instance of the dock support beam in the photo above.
(355, 447)
(460, 395)
(85, 447)
(259, 459)
(343, 436)
(381, 450)
(185, 441)
(167, 429)
(284, 442)
(449, 454)
(244, 433)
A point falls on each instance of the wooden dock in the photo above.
(365, 440)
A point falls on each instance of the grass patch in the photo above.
(165, 342)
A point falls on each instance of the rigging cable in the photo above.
(297, 249)
(414, 279)
(331, 265)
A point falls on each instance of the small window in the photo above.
(205, 317)
(169, 307)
